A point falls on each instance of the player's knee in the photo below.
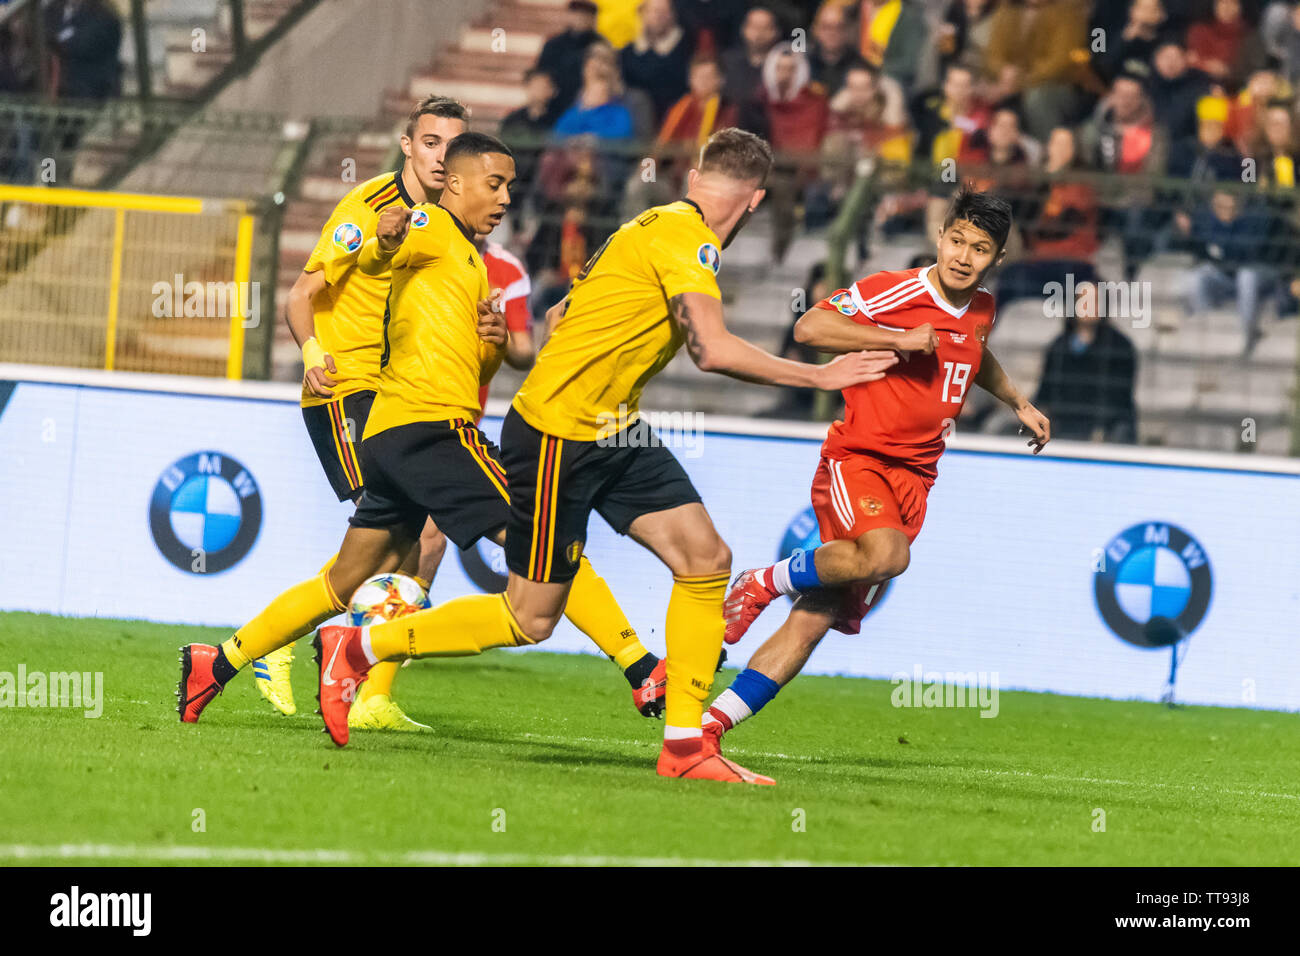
(433, 543)
(536, 627)
(880, 561)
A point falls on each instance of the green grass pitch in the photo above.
(539, 758)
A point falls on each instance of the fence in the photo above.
(126, 281)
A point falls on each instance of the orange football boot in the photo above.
(340, 677)
(701, 765)
(745, 602)
(197, 686)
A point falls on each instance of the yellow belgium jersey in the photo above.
(433, 360)
(616, 333)
(349, 313)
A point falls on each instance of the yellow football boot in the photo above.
(271, 675)
(379, 712)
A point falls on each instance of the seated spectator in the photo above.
(657, 60)
(1226, 240)
(1137, 42)
(944, 119)
(563, 54)
(895, 38)
(1175, 90)
(1089, 373)
(998, 159)
(742, 66)
(832, 54)
(1246, 110)
(963, 36)
(1059, 227)
(1038, 52)
(1210, 155)
(796, 117)
(1224, 46)
(1123, 137)
(84, 36)
(598, 110)
(526, 129)
(1290, 43)
(1275, 148)
(713, 25)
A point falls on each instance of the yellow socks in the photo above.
(694, 638)
(593, 610)
(294, 613)
(464, 626)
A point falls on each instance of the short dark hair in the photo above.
(434, 105)
(738, 154)
(474, 144)
(983, 211)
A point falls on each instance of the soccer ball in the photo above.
(385, 597)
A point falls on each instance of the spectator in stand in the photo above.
(84, 36)
(1209, 156)
(832, 54)
(1227, 242)
(687, 127)
(796, 116)
(713, 24)
(562, 55)
(527, 128)
(1246, 112)
(1038, 51)
(1289, 40)
(1143, 32)
(18, 75)
(999, 159)
(743, 67)
(895, 37)
(1059, 227)
(1123, 137)
(1089, 373)
(658, 59)
(1225, 47)
(963, 36)
(600, 108)
(1175, 89)
(944, 119)
(1275, 148)
(867, 121)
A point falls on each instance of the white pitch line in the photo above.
(1189, 787)
(237, 854)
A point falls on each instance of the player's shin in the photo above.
(294, 613)
(594, 611)
(459, 628)
(694, 638)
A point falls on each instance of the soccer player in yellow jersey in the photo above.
(336, 315)
(421, 452)
(569, 448)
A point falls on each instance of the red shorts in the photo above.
(855, 495)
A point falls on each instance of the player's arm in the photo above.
(519, 350)
(299, 315)
(827, 330)
(714, 349)
(378, 254)
(993, 379)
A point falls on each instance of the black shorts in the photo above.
(556, 483)
(447, 471)
(336, 429)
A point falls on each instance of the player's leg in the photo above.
(205, 670)
(869, 514)
(776, 662)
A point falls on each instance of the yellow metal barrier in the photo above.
(125, 281)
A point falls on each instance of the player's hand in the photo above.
(394, 223)
(318, 378)
(854, 368)
(1037, 423)
(492, 320)
(920, 339)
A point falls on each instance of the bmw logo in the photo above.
(709, 257)
(348, 236)
(205, 513)
(1153, 586)
(419, 219)
(484, 563)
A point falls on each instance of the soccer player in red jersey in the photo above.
(878, 465)
(507, 273)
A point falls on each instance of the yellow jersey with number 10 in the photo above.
(616, 333)
(433, 360)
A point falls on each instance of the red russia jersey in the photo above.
(905, 416)
(507, 273)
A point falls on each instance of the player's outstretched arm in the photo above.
(993, 379)
(714, 349)
(376, 255)
(826, 330)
